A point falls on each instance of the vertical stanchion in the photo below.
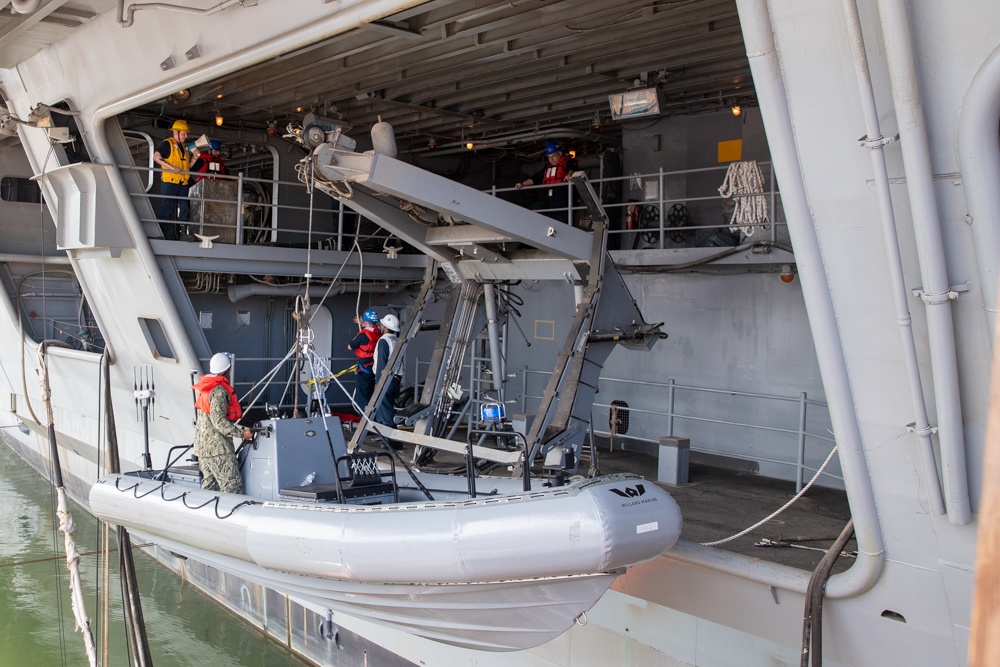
(802, 442)
(670, 407)
(239, 209)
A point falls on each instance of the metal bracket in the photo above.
(941, 297)
(912, 428)
(877, 143)
(192, 53)
(167, 64)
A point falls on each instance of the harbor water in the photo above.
(37, 629)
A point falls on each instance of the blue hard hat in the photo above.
(215, 145)
(370, 316)
(551, 147)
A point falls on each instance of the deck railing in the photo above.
(653, 219)
(665, 418)
(794, 432)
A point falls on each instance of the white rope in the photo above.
(76, 587)
(66, 523)
(744, 185)
(780, 509)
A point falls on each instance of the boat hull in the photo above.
(495, 573)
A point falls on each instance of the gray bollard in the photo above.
(673, 460)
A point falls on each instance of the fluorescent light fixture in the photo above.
(635, 104)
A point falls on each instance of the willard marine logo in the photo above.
(630, 492)
(633, 493)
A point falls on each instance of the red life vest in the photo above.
(366, 351)
(205, 386)
(209, 164)
(557, 173)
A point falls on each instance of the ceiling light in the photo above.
(298, 109)
(469, 145)
(219, 120)
(272, 127)
(787, 273)
(736, 109)
(181, 95)
(432, 144)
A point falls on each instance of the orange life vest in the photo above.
(205, 386)
(558, 172)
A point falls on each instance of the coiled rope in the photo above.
(744, 186)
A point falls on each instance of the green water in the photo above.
(185, 628)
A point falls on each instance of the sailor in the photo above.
(363, 346)
(555, 174)
(386, 411)
(218, 410)
(209, 161)
(173, 157)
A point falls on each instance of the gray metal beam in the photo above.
(459, 234)
(228, 258)
(397, 222)
(527, 268)
(411, 183)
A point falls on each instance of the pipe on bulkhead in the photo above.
(937, 290)
(496, 361)
(34, 259)
(900, 296)
(237, 293)
(758, 36)
(126, 20)
(979, 163)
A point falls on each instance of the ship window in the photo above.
(156, 338)
(14, 188)
(618, 417)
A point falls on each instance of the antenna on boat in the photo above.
(145, 398)
(194, 394)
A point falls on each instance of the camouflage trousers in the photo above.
(219, 473)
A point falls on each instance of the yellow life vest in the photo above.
(180, 158)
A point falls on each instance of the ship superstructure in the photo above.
(855, 307)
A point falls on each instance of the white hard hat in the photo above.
(391, 322)
(220, 363)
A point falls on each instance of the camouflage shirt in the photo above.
(213, 434)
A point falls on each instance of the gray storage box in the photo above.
(673, 460)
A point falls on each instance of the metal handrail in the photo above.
(671, 415)
(662, 203)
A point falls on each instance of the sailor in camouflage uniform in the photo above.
(218, 409)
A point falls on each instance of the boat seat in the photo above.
(189, 474)
(314, 492)
(364, 483)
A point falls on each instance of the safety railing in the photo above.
(673, 209)
(794, 430)
(256, 203)
(790, 426)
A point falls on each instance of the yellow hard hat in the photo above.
(180, 126)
